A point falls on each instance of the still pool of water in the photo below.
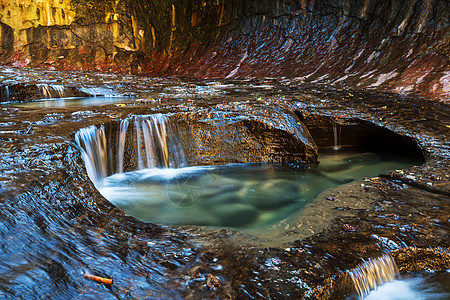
(73, 102)
(244, 196)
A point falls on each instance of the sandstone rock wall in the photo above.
(389, 45)
(16, 16)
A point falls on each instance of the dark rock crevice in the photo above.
(347, 133)
(6, 41)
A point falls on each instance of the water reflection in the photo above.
(74, 102)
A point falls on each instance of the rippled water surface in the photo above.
(237, 196)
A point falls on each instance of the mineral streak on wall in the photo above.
(400, 46)
(17, 16)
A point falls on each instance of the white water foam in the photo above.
(415, 288)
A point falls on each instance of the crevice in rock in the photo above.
(352, 133)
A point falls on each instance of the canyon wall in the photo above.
(400, 46)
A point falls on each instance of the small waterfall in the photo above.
(154, 134)
(337, 136)
(373, 273)
(150, 141)
(46, 91)
(92, 141)
(59, 90)
(122, 135)
(6, 93)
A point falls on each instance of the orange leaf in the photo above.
(98, 279)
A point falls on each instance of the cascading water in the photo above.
(139, 165)
(92, 141)
(337, 136)
(151, 142)
(373, 273)
(6, 93)
(122, 136)
(46, 91)
(153, 135)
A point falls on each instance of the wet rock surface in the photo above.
(396, 46)
(243, 132)
(56, 227)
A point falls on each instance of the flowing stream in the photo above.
(74, 102)
(417, 286)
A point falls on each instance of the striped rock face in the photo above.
(395, 46)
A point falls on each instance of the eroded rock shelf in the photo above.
(57, 227)
(243, 82)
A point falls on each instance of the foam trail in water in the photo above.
(373, 273)
(417, 286)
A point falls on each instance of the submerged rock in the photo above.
(271, 194)
(235, 214)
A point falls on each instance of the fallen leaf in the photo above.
(211, 281)
(98, 279)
